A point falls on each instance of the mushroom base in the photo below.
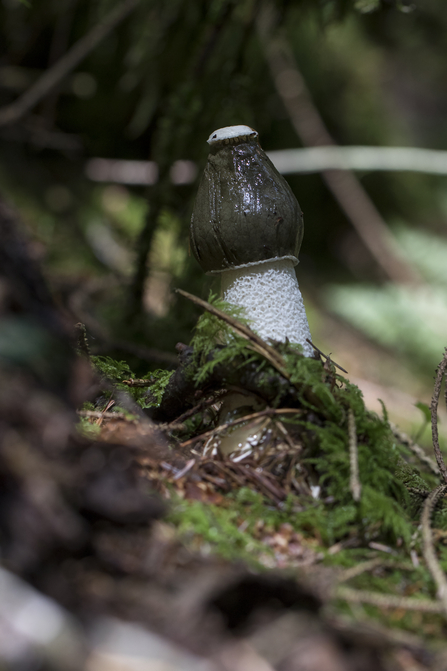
(271, 298)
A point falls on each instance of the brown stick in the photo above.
(97, 414)
(428, 549)
(54, 75)
(387, 600)
(440, 372)
(312, 131)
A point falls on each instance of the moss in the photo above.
(219, 529)
(117, 371)
(159, 380)
(394, 484)
(88, 429)
(386, 510)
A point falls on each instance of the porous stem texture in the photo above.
(271, 298)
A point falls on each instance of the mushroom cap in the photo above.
(245, 212)
(231, 133)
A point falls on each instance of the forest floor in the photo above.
(332, 519)
(245, 511)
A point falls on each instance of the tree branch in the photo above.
(54, 75)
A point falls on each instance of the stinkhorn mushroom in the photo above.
(247, 226)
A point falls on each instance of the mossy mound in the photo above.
(289, 501)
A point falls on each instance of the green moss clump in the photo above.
(324, 399)
(117, 371)
(159, 380)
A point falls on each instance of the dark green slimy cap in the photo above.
(245, 212)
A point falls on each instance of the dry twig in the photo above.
(354, 482)
(440, 372)
(258, 344)
(215, 398)
(370, 565)
(435, 569)
(54, 75)
(97, 414)
(312, 131)
(414, 447)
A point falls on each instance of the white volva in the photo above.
(271, 298)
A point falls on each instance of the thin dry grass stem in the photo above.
(101, 417)
(370, 565)
(326, 356)
(247, 418)
(387, 600)
(363, 625)
(52, 77)
(82, 340)
(363, 567)
(415, 448)
(265, 485)
(197, 408)
(257, 344)
(229, 473)
(428, 549)
(440, 372)
(354, 481)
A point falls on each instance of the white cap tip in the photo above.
(230, 132)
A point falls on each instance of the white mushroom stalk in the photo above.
(247, 226)
(272, 300)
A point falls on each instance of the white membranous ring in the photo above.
(232, 133)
